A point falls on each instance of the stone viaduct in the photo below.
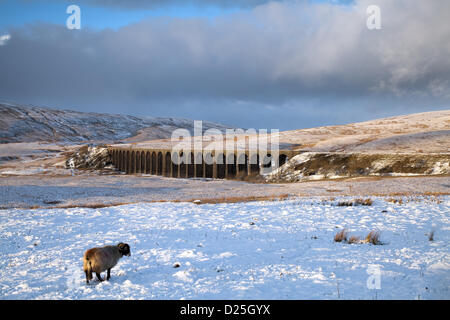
(224, 164)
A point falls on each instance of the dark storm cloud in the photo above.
(281, 63)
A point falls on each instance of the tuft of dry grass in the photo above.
(431, 236)
(341, 236)
(435, 199)
(394, 200)
(364, 202)
(354, 239)
(345, 204)
(356, 202)
(373, 237)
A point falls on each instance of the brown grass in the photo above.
(394, 200)
(202, 201)
(431, 236)
(428, 196)
(354, 239)
(435, 199)
(364, 202)
(345, 204)
(251, 178)
(356, 202)
(89, 205)
(373, 237)
(411, 194)
(341, 236)
(239, 199)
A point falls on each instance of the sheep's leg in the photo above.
(99, 277)
(87, 277)
(108, 275)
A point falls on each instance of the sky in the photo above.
(285, 64)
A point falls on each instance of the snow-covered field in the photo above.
(254, 250)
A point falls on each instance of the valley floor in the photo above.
(96, 190)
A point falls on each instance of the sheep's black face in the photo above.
(124, 249)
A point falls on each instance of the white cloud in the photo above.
(4, 38)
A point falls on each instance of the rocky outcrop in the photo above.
(89, 157)
(317, 166)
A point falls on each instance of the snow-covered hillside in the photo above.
(414, 144)
(28, 124)
(427, 132)
(255, 250)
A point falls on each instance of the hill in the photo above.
(415, 144)
(427, 132)
(20, 123)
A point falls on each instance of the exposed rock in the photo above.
(316, 166)
(89, 157)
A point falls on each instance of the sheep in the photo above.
(100, 259)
